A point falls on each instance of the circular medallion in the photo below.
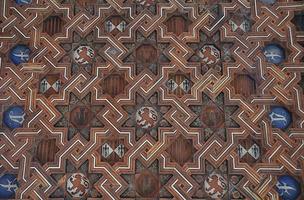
(14, 117)
(209, 54)
(288, 188)
(78, 185)
(146, 117)
(84, 55)
(280, 117)
(20, 54)
(215, 186)
(8, 186)
(146, 184)
(23, 2)
(274, 53)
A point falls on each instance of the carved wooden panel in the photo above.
(151, 99)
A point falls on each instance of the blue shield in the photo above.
(20, 54)
(8, 186)
(288, 187)
(14, 117)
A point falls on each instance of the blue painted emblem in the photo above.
(14, 117)
(268, 1)
(274, 53)
(280, 117)
(8, 186)
(20, 54)
(23, 2)
(288, 187)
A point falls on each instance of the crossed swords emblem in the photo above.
(23, 55)
(272, 55)
(284, 187)
(10, 186)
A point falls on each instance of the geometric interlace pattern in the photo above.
(145, 99)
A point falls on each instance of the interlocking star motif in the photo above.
(150, 98)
